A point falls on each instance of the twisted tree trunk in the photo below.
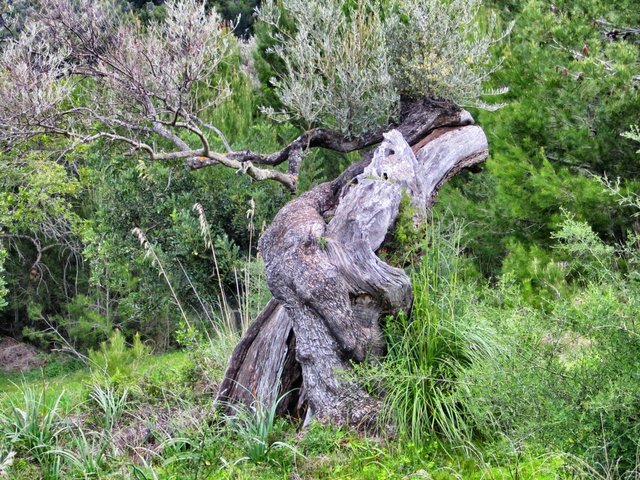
(329, 288)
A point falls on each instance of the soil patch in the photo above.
(18, 357)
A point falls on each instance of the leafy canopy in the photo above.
(346, 64)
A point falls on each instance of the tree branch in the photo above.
(36, 243)
(418, 119)
(247, 167)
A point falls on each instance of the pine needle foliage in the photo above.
(115, 358)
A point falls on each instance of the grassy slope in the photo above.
(63, 376)
(210, 453)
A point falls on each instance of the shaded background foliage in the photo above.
(573, 90)
(238, 12)
(99, 198)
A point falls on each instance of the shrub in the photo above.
(567, 378)
(115, 358)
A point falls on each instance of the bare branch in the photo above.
(247, 167)
(215, 130)
(137, 145)
(142, 78)
(35, 242)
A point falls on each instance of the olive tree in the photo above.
(352, 75)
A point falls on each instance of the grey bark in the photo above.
(330, 289)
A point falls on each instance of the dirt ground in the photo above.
(18, 357)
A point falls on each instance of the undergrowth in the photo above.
(421, 378)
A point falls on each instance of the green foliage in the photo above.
(38, 233)
(520, 201)
(591, 259)
(35, 191)
(255, 427)
(572, 93)
(116, 360)
(86, 454)
(3, 282)
(111, 404)
(377, 51)
(196, 444)
(406, 240)
(633, 134)
(442, 49)
(97, 278)
(32, 426)
(119, 275)
(84, 326)
(239, 12)
(429, 351)
(562, 377)
(573, 101)
(537, 369)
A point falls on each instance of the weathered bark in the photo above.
(330, 289)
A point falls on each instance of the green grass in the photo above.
(72, 383)
(64, 375)
(218, 451)
(422, 376)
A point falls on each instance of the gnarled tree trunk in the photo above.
(329, 288)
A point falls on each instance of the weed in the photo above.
(255, 427)
(110, 403)
(32, 426)
(86, 453)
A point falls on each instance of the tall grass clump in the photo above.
(429, 350)
(111, 404)
(31, 425)
(85, 453)
(255, 428)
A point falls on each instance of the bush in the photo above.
(567, 378)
